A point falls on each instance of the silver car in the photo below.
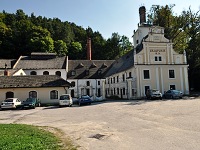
(65, 100)
(11, 103)
(173, 94)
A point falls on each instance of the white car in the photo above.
(11, 103)
(65, 100)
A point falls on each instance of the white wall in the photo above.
(43, 94)
(81, 86)
(51, 72)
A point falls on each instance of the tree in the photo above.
(75, 50)
(41, 40)
(60, 48)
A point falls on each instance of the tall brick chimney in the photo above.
(142, 12)
(89, 49)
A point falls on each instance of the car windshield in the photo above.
(155, 91)
(64, 97)
(85, 96)
(8, 100)
(176, 92)
(30, 99)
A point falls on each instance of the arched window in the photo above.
(54, 94)
(88, 83)
(46, 73)
(32, 94)
(33, 73)
(9, 95)
(58, 73)
(73, 84)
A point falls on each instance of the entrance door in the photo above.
(146, 88)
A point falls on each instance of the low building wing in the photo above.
(32, 81)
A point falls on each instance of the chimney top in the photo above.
(89, 49)
(142, 13)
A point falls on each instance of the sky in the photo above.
(104, 16)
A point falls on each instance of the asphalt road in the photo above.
(121, 125)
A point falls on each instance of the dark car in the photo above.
(85, 99)
(30, 103)
(153, 94)
(173, 94)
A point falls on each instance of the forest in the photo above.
(21, 34)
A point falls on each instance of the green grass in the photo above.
(27, 137)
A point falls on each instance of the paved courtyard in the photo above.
(121, 125)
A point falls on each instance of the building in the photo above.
(46, 88)
(87, 76)
(153, 64)
(43, 64)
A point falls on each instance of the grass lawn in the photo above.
(20, 137)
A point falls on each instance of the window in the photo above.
(73, 73)
(99, 83)
(171, 74)
(130, 74)
(58, 73)
(114, 91)
(87, 72)
(73, 84)
(146, 74)
(46, 73)
(33, 73)
(54, 94)
(117, 78)
(9, 95)
(99, 72)
(158, 58)
(117, 91)
(123, 77)
(113, 79)
(124, 91)
(88, 83)
(32, 94)
(172, 87)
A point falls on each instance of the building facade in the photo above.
(153, 64)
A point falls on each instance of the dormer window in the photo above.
(73, 73)
(87, 72)
(99, 72)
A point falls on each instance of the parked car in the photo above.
(65, 100)
(31, 103)
(85, 99)
(11, 103)
(153, 94)
(173, 94)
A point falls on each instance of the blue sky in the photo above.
(105, 16)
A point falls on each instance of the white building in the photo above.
(153, 64)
